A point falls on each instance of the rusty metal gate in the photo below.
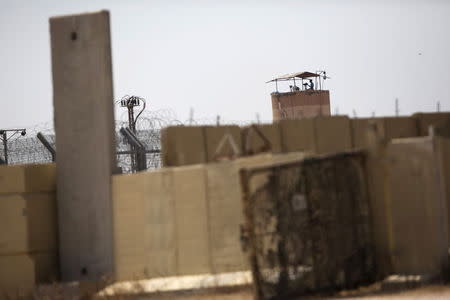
(307, 226)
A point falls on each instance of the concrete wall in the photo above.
(442, 145)
(332, 134)
(388, 128)
(84, 127)
(253, 143)
(186, 220)
(297, 135)
(28, 239)
(409, 207)
(425, 120)
(183, 145)
(187, 145)
(219, 140)
(196, 210)
(181, 220)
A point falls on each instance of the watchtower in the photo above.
(304, 99)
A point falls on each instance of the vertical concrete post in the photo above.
(84, 126)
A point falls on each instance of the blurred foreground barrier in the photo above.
(181, 220)
(408, 182)
(28, 239)
(308, 225)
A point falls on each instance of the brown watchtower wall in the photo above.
(300, 104)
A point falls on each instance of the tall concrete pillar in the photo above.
(84, 126)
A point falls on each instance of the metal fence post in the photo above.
(141, 156)
(47, 145)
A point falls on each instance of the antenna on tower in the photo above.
(397, 110)
(438, 106)
(130, 102)
(191, 116)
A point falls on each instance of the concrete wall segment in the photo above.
(183, 145)
(425, 120)
(84, 128)
(160, 224)
(253, 143)
(191, 220)
(414, 193)
(27, 178)
(399, 127)
(29, 223)
(129, 196)
(215, 135)
(333, 134)
(225, 216)
(297, 135)
(442, 145)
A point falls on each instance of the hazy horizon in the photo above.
(215, 57)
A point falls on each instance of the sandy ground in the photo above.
(427, 292)
(238, 285)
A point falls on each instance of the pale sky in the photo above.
(215, 56)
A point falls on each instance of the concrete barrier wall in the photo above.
(425, 120)
(184, 145)
(443, 150)
(185, 220)
(398, 127)
(218, 143)
(297, 135)
(419, 217)
(408, 207)
(254, 143)
(332, 134)
(181, 220)
(359, 129)
(388, 128)
(85, 139)
(28, 243)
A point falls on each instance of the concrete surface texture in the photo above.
(414, 193)
(28, 242)
(185, 220)
(184, 145)
(221, 142)
(252, 142)
(442, 146)
(84, 127)
(300, 105)
(181, 220)
(426, 119)
(409, 206)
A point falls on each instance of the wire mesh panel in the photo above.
(27, 150)
(308, 226)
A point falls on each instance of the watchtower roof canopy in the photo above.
(301, 75)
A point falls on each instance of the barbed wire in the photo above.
(29, 150)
